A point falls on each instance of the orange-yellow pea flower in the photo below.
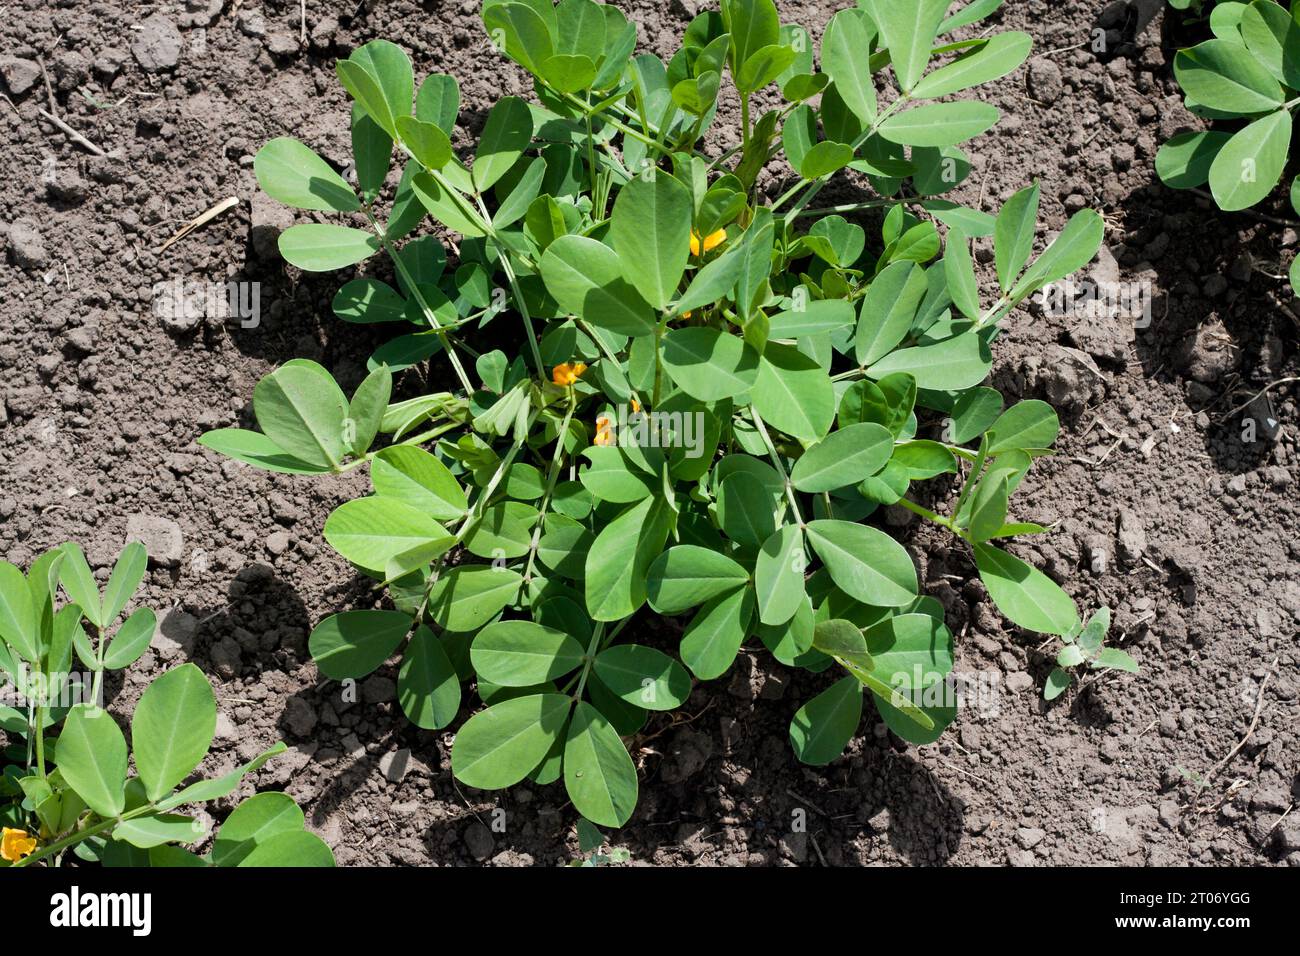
(636, 406)
(16, 844)
(711, 241)
(604, 431)
(566, 373)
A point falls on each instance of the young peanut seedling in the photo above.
(1086, 648)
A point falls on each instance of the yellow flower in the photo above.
(636, 406)
(604, 430)
(711, 241)
(566, 373)
(16, 844)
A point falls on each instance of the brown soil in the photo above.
(100, 404)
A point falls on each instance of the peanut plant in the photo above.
(1247, 80)
(652, 388)
(67, 784)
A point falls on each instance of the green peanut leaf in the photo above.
(253, 823)
(1184, 161)
(466, 598)
(428, 688)
(650, 229)
(416, 478)
(887, 310)
(157, 829)
(500, 746)
(960, 273)
(754, 24)
(620, 557)
(324, 247)
(588, 279)
(825, 158)
(1000, 55)
(1028, 424)
(865, 563)
(521, 653)
(426, 141)
(256, 449)
(18, 614)
(172, 728)
(372, 151)
(908, 31)
(643, 676)
(823, 727)
(372, 532)
(1114, 658)
(988, 509)
(392, 82)
(1274, 38)
(779, 576)
(292, 173)
(131, 640)
(302, 411)
(1250, 163)
(505, 530)
(713, 638)
(128, 572)
(1024, 594)
(506, 134)
(1217, 75)
(844, 58)
(844, 457)
(612, 478)
(909, 650)
(352, 644)
(598, 771)
(79, 583)
(1070, 251)
(522, 32)
(686, 576)
(709, 364)
(1058, 680)
(92, 759)
(972, 12)
(745, 509)
(956, 363)
(939, 124)
(438, 101)
(215, 789)
(793, 393)
(763, 66)
(1013, 236)
(294, 848)
(816, 317)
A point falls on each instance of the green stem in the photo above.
(520, 304)
(552, 478)
(659, 360)
(817, 184)
(40, 739)
(590, 658)
(429, 315)
(780, 465)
